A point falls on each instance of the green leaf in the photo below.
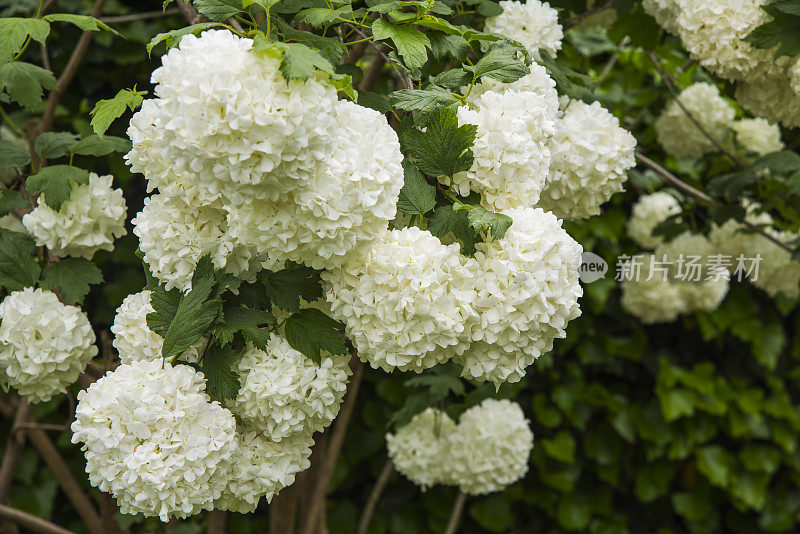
(417, 196)
(443, 45)
(94, 145)
(410, 43)
(71, 278)
(561, 447)
(297, 60)
(481, 220)
(107, 111)
(317, 17)
(56, 183)
(493, 513)
(52, 145)
(332, 49)
(247, 322)
(344, 84)
(715, 463)
(14, 31)
(453, 78)
(219, 369)
(783, 30)
(501, 63)
(13, 155)
(568, 81)
(10, 199)
(444, 148)
(181, 319)
(422, 100)
(25, 83)
(285, 288)
(310, 332)
(18, 267)
(439, 385)
(173, 37)
(375, 101)
(218, 10)
(445, 220)
(84, 22)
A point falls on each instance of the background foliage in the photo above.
(691, 426)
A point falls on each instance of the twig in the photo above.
(31, 522)
(217, 522)
(335, 444)
(455, 514)
(372, 73)
(612, 60)
(676, 182)
(14, 446)
(141, 16)
(375, 496)
(67, 75)
(670, 83)
(572, 21)
(189, 13)
(42, 426)
(406, 81)
(283, 509)
(308, 480)
(355, 53)
(83, 505)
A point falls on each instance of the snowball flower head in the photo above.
(489, 448)
(134, 340)
(772, 97)
(405, 304)
(758, 135)
(283, 392)
(350, 198)
(153, 439)
(677, 134)
(533, 23)
(591, 155)
(419, 449)
(648, 212)
(648, 294)
(536, 81)
(89, 220)
(262, 468)
(714, 32)
(511, 158)
(44, 344)
(527, 291)
(174, 234)
(665, 12)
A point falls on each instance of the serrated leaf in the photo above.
(285, 288)
(783, 30)
(15, 30)
(439, 385)
(13, 155)
(417, 196)
(444, 148)
(71, 278)
(51, 145)
(107, 111)
(445, 220)
(218, 10)
(332, 49)
(18, 267)
(56, 183)
(219, 369)
(501, 63)
(317, 17)
(443, 45)
(172, 37)
(25, 83)
(84, 22)
(344, 83)
(453, 78)
(94, 145)
(247, 322)
(410, 43)
(422, 100)
(568, 81)
(375, 101)
(482, 220)
(310, 332)
(297, 60)
(10, 199)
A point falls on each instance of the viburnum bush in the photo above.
(330, 240)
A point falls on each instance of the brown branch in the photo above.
(378, 49)
(455, 514)
(308, 480)
(141, 16)
(31, 522)
(217, 522)
(375, 496)
(14, 446)
(67, 75)
(189, 13)
(676, 182)
(335, 445)
(83, 505)
(372, 73)
(283, 510)
(42, 426)
(669, 81)
(355, 53)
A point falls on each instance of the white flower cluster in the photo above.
(534, 24)
(252, 165)
(591, 155)
(665, 12)
(677, 134)
(89, 220)
(413, 302)
(648, 212)
(758, 136)
(154, 440)
(419, 449)
(770, 96)
(487, 451)
(283, 393)
(650, 297)
(44, 344)
(134, 340)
